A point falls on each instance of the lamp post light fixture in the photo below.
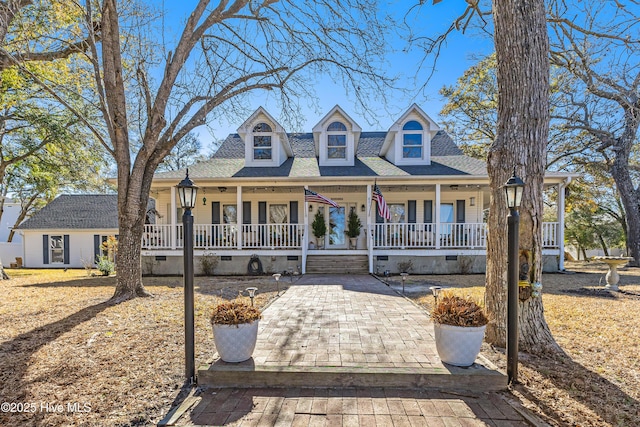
(404, 279)
(187, 192)
(435, 290)
(252, 293)
(277, 277)
(513, 188)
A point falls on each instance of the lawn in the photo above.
(69, 358)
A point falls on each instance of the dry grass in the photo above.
(596, 382)
(60, 343)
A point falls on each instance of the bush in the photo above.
(234, 312)
(458, 311)
(353, 225)
(106, 266)
(208, 264)
(318, 225)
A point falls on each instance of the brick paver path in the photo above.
(359, 322)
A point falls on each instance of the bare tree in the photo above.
(598, 44)
(226, 51)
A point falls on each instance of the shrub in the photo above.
(353, 225)
(106, 266)
(208, 264)
(458, 311)
(234, 312)
(318, 225)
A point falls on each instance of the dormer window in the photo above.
(412, 140)
(262, 133)
(337, 141)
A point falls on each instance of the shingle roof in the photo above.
(77, 211)
(228, 162)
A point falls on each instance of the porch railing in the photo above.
(289, 236)
(426, 235)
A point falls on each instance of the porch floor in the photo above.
(347, 331)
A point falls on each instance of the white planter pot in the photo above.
(458, 345)
(235, 343)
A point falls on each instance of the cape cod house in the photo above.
(252, 213)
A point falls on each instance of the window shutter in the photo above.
(411, 214)
(460, 214)
(66, 249)
(45, 249)
(262, 212)
(96, 247)
(215, 212)
(293, 212)
(428, 211)
(246, 212)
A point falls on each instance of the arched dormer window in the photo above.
(412, 140)
(262, 142)
(336, 141)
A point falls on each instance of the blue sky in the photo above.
(460, 52)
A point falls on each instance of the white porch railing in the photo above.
(289, 236)
(550, 234)
(425, 235)
(272, 236)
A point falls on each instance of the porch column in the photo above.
(369, 230)
(239, 216)
(437, 216)
(174, 220)
(305, 233)
(560, 232)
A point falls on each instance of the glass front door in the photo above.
(337, 238)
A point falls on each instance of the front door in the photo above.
(337, 222)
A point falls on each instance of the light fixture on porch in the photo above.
(363, 208)
(454, 186)
(188, 192)
(310, 208)
(472, 201)
(222, 189)
(513, 189)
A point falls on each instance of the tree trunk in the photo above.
(522, 50)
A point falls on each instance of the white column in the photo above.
(174, 221)
(560, 231)
(369, 229)
(239, 217)
(437, 216)
(305, 236)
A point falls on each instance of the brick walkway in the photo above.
(325, 351)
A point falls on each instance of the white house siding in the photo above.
(9, 217)
(81, 247)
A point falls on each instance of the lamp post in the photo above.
(404, 279)
(187, 191)
(513, 189)
(277, 277)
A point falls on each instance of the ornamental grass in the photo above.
(235, 312)
(458, 311)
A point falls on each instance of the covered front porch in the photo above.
(427, 220)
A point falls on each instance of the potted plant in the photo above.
(353, 228)
(235, 329)
(459, 325)
(319, 228)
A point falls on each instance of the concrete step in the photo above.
(477, 377)
(338, 264)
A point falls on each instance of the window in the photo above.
(229, 214)
(56, 244)
(262, 142)
(397, 213)
(412, 140)
(278, 214)
(337, 141)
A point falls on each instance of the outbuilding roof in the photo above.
(76, 212)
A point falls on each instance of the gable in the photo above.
(266, 144)
(336, 138)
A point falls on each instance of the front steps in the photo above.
(337, 264)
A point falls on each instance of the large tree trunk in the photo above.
(522, 50)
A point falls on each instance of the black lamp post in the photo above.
(187, 191)
(513, 189)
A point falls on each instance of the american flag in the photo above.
(383, 209)
(312, 196)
